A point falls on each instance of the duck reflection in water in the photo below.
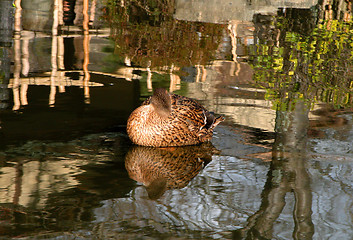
(160, 169)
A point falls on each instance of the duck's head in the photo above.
(161, 102)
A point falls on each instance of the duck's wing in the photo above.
(193, 113)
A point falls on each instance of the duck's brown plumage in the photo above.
(170, 120)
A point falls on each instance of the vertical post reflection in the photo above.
(61, 66)
(25, 70)
(92, 11)
(174, 80)
(86, 40)
(61, 49)
(54, 53)
(233, 27)
(17, 57)
(149, 79)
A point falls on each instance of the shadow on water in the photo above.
(111, 102)
(279, 167)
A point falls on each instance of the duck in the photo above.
(170, 120)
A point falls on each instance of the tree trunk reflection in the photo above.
(287, 174)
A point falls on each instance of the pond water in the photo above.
(278, 167)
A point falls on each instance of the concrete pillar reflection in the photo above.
(6, 42)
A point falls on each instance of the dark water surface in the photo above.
(279, 167)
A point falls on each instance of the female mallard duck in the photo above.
(167, 119)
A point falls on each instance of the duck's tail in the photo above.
(206, 133)
(217, 121)
(212, 121)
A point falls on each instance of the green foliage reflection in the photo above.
(311, 62)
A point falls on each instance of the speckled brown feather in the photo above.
(188, 122)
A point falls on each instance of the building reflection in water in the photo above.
(47, 19)
(6, 29)
(70, 25)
